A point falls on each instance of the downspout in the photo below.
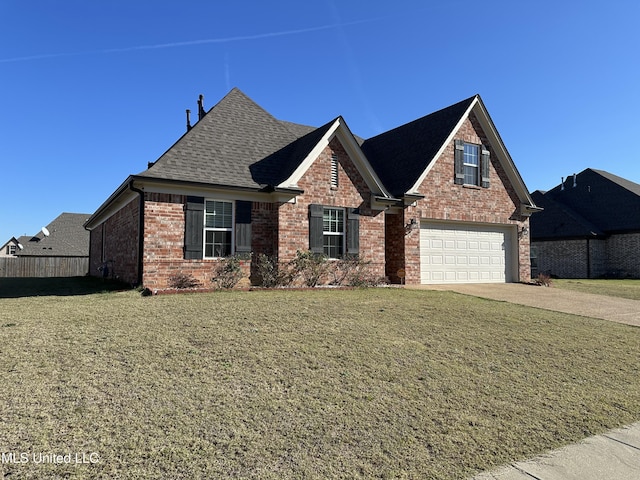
(140, 230)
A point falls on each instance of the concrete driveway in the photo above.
(615, 309)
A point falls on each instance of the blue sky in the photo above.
(93, 90)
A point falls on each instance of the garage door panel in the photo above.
(464, 253)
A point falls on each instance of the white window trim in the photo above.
(342, 234)
(473, 165)
(206, 229)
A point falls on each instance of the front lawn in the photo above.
(379, 383)
(613, 288)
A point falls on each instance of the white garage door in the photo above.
(464, 253)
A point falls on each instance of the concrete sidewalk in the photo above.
(615, 309)
(614, 455)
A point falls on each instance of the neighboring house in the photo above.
(10, 248)
(60, 249)
(438, 199)
(590, 227)
(65, 236)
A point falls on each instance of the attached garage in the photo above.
(454, 252)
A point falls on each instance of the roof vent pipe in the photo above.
(188, 119)
(562, 183)
(575, 181)
(201, 111)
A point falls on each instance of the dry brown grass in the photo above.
(613, 288)
(380, 383)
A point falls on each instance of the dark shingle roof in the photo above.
(401, 155)
(67, 238)
(559, 221)
(600, 202)
(237, 143)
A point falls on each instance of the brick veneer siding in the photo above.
(614, 257)
(279, 229)
(114, 243)
(352, 191)
(163, 255)
(623, 255)
(444, 200)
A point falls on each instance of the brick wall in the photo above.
(444, 200)
(115, 244)
(352, 191)
(622, 255)
(564, 259)
(614, 257)
(164, 245)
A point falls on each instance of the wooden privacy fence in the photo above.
(44, 267)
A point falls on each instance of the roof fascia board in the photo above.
(219, 192)
(123, 195)
(118, 199)
(356, 154)
(223, 192)
(294, 178)
(340, 130)
(442, 148)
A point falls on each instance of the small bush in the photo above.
(543, 280)
(310, 266)
(183, 281)
(271, 272)
(355, 271)
(228, 273)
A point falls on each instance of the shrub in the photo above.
(271, 272)
(310, 266)
(543, 280)
(355, 271)
(182, 281)
(227, 273)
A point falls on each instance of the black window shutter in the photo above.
(486, 166)
(459, 162)
(194, 224)
(316, 227)
(353, 231)
(243, 226)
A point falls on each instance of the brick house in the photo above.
(241, 181)
(590, 227)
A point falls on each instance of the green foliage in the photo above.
(310, 266)
(228, 273)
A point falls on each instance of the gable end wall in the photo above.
(352, 192)
(444, 200)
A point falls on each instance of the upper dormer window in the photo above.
(472, 164)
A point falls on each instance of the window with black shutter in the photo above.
(243, 226)
(472, 164)
(216, 228)
(334, 231)
(194, 224)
